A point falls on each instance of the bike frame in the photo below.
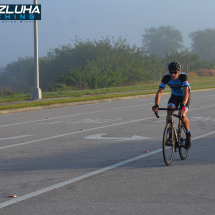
(177, 132)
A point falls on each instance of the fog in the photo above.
(63, 21)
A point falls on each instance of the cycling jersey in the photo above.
(177, 85)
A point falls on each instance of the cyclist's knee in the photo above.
(171, 106)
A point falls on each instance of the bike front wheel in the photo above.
(168, 144)
(182, 151)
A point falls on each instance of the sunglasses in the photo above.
(173, 73)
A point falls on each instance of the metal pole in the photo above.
(37, 94)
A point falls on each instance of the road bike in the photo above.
(173, 138)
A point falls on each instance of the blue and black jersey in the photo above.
(177, 85)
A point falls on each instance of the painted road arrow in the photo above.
(99, 137)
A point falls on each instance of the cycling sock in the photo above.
(188, 133)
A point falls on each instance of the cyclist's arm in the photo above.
(186, 94)
(158, 96)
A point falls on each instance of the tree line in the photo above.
(166, 39)
(109, 63)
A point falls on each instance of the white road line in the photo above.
(40, 120)
(61, 184)
(75, 132)
(105, 126)
(203, 135)
(41, 191)
(99, 137)
(10, 138)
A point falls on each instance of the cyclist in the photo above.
(180, 96)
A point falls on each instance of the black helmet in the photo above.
(174, 66)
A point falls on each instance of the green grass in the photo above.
(82, 95)
(202, 81)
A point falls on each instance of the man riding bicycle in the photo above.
(180, 96)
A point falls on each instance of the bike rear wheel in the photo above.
(182, 151)
(168, 144)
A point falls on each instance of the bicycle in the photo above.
(173, 138)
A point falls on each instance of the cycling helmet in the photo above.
(174, 66)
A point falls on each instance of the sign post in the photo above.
(37, 94)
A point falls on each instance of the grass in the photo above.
(104, 93)
(200, 81)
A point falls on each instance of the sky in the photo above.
(63, 21)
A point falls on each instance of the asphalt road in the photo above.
(105, 158)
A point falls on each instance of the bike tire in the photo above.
(182, 151)
(168, 149)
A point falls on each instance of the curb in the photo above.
(2, 112)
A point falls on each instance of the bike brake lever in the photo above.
(156, 114)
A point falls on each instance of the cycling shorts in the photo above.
(176, 100)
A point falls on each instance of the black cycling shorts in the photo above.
(176, 100)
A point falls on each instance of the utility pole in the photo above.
(37, 94)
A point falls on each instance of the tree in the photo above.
(162, 40)
(203, 43)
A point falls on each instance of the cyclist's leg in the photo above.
(171, 104)
(168, 112)
(184, 119)
(185, 123)
(182, 116)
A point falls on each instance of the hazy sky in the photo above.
(63, 20)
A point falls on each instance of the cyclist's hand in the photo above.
(155, 108)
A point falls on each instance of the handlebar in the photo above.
(168, 109)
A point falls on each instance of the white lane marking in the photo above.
(95, 120)
(99, 137)
(85, 113)
(61, 184)
(160, 121)
(75, 132)
(10, 138)
(84, 121)
(19, 144)
(61, 135)
(40, 120)
(202, 119)
(203, 135)
(41, 191)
